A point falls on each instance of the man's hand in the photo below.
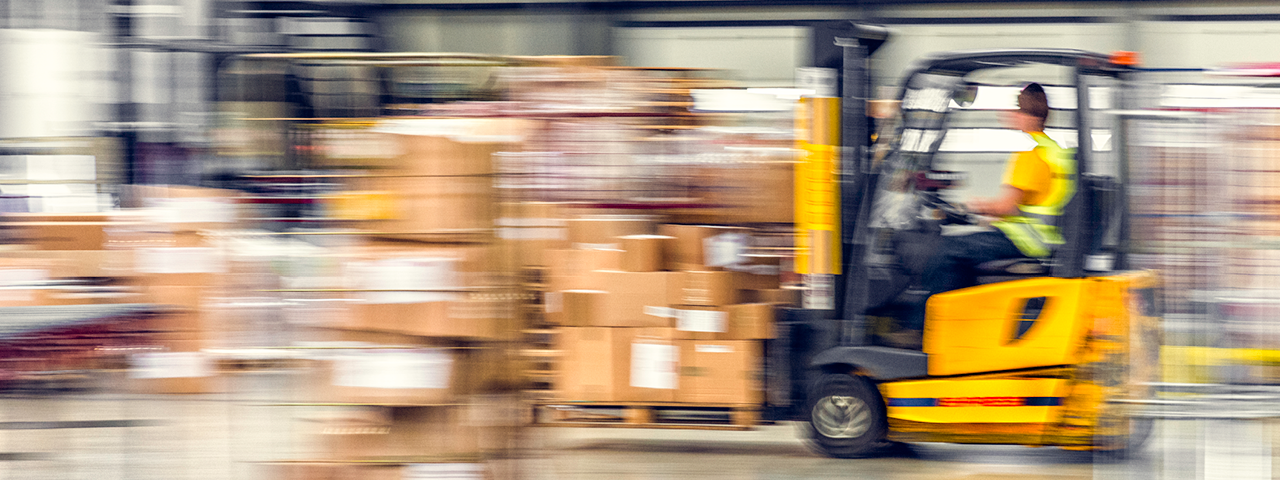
(1005, 204)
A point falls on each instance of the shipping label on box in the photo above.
(395, 280)
(653, 365)
(701, 321)
(724, 249)
(179, 260)
(153, 365)
(394, 369)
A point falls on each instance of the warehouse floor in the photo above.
(108, 436)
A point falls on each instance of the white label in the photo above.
(554, 302)
(16, 284)
(700, 320)
(541, 233)
(654, 365)
(529, 222)
(395, 280)
(724, 249)
(819, 292)
(393, 369)
(822, 81)
(192, 210)
(597, 246)
(170, 365)
(664, 312)
(713, 349)
(179, 260)
(443, 471)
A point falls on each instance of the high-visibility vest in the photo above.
(1035, 230)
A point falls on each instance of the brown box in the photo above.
(635, 299)
(722, 372)
(652, 365)
(454, 146)
(700, 247)
(602, 232)
(590, 364)
(530, 230)
(428, 207)
(582, 308)
(570, 269)
(454, 319)
(750, 321)
(402, 433)
(704, 288)
(61, 235)
(644, 253)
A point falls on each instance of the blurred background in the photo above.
(395, 239)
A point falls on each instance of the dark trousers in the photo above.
(954, 266)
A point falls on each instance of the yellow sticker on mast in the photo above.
(817, 193)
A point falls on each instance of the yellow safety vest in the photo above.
(1035, 232)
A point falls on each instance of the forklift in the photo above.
(1042, 352)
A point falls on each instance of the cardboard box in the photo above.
(531, 230)
(476, 319)
(591, 364)
(583, 308)
(635, 299)
(451, 146)
(427, 208)
(644, 253)
(570, 269)
(704, 247)
(602, 232)
(721, 372)
(733, 322)
(704, 288)
(652, 365)
(61, 235)
(402, 433)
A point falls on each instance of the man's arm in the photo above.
(1003, 204)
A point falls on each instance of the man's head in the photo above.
(1033, 109)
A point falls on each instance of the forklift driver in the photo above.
(1035, 188)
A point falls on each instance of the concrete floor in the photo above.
(141, 437)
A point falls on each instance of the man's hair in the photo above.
(1032, 101)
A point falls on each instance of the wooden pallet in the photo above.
(691, 416)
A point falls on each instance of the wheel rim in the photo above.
(841, 417)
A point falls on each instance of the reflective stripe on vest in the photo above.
(1035, 231)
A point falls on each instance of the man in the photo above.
(1037, 185)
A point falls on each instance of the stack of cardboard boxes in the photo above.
(658, 314)
(160, 253)
(428, 309)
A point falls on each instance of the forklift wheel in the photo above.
(846, 415)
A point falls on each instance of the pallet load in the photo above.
(653, 319)
(161, 255)
(427, 311)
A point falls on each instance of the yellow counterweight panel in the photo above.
(975, 329)
(998, 400)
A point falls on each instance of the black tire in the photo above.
(846, 416)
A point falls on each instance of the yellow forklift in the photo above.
(1042, 352)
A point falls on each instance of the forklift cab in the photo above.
(1012, 359)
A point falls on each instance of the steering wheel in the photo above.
(953, 214)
